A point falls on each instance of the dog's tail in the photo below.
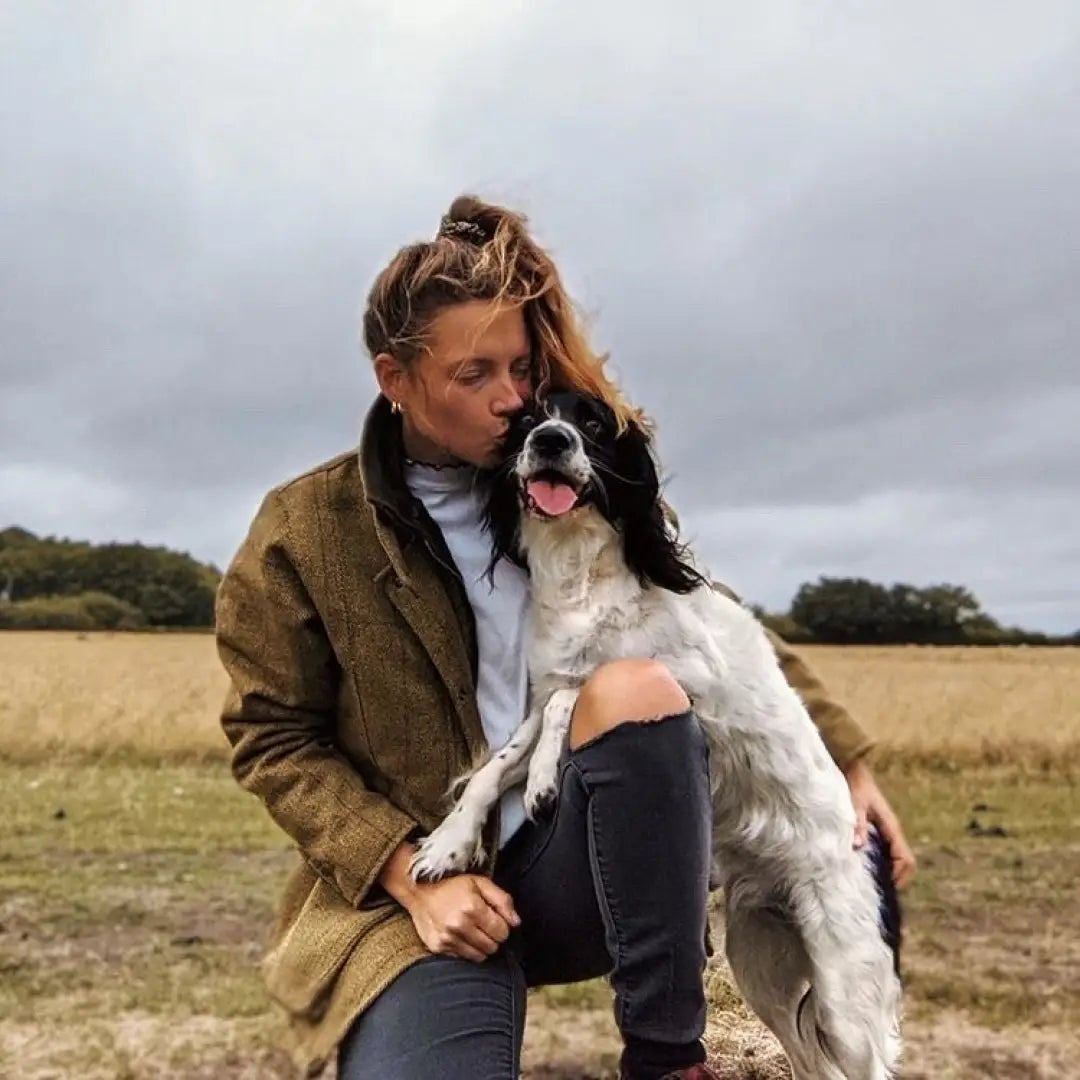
(849, 1018)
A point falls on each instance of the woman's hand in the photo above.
(871, 806)
(467, 915)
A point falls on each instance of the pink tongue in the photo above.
(552, 499)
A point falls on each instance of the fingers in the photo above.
(903, 858)
(461, 947)
(903, 864)
(862, 827)
(463, 920)
(499, 899)
(473, 944)
(481, 926)
(460, 937)
(872, 806)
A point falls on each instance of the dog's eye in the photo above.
(593, 428)
(526, 421)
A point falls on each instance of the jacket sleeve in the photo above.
(279, 714)
(844, 738)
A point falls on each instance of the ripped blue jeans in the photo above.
(614, 881)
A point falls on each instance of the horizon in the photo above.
(748, 600)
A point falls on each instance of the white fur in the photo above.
(457, 843)
(801, 906)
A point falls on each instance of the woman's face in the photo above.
(457, 396)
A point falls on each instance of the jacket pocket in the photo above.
(302, 966)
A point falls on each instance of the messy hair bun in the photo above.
(483, 251)
(472, 220)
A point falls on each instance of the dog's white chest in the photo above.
(573, 642)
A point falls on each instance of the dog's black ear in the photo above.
(652, 551)
(501, 499)
(502, 516)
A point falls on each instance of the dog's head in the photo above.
(565, 458)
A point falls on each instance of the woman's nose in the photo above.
(510, 398)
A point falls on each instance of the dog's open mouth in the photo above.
(550, 494)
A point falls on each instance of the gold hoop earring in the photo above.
(395, 407)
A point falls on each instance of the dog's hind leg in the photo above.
(854, 1004)
(772, 971)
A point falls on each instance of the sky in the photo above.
(833, 249)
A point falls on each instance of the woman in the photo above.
(370, 667)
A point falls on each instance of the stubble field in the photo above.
(137, 881)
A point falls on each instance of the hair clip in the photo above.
(465, 230)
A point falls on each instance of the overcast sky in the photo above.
(833, 248)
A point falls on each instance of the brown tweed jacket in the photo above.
(350, 646)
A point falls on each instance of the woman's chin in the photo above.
(486, 459)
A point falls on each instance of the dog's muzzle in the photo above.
(553, 469)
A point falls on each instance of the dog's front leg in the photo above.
(457, 843)
(544, 764)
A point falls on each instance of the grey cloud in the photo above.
(1019, 555)
(831, 248)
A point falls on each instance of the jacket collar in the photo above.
(382, 473)
(382, 465)
(399, 515)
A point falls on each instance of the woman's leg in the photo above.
(443, 1017)
(616, 880)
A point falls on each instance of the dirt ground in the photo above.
(134, 899)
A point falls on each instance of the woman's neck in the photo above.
(422, 450)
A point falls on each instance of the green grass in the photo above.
(994, 921)
(134, 890)
(151, 894)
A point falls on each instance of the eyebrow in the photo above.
(527, 355)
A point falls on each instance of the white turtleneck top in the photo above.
(499, 608)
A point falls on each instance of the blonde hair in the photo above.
(485, 252)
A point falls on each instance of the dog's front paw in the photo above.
(451, 849)
(540, 789)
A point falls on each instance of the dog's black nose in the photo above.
(550, 440)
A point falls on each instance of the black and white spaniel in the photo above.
(580, 505)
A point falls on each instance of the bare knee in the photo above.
(625, 691)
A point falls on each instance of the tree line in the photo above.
(854, 611)
(59, 584)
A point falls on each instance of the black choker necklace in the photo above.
(438, 468)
